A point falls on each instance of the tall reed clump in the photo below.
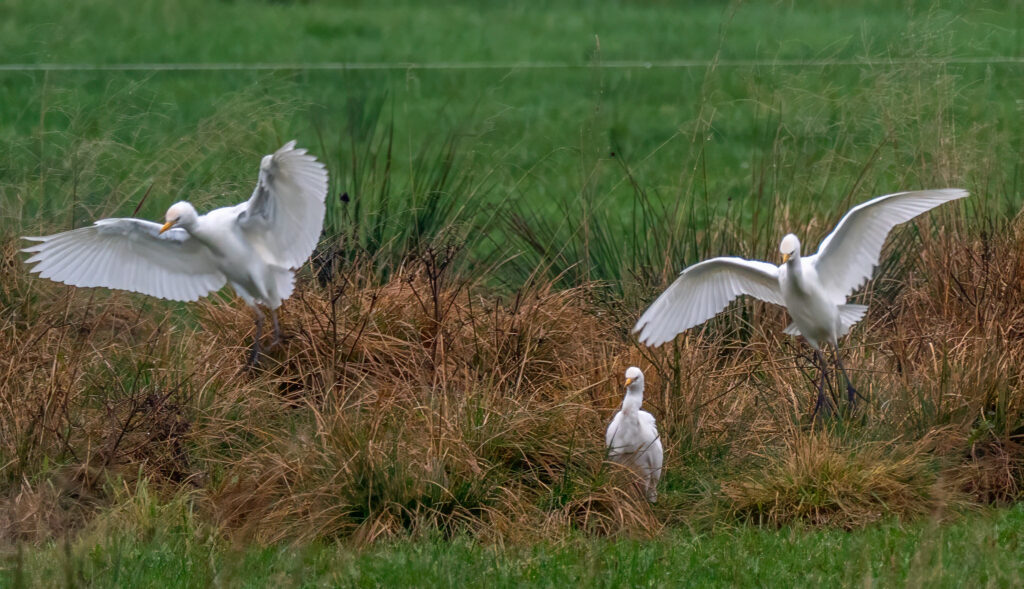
(476, 415)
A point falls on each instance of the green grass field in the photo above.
(575, 157)
(541, 135)
(984, 548)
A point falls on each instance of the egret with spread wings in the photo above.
(813, 289)
(255, 246)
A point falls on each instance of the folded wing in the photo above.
(653, 452)
(848, 256)
(702, 291)
(128, 254)
(285, 213)
(613, 428)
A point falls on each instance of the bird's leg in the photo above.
(819, 360)
(278, 336)
(254, 355)
(851, 393)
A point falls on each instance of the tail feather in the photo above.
(284, 280)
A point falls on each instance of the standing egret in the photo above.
(813, 289)
(255, 245)
(632, 437)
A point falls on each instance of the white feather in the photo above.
(848, 256)
(702, 291)
(128, 254)
(813, 289)
(253, 245)
(285, 214)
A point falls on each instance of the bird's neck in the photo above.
(631, 404)
(190, 224)
(796, 269)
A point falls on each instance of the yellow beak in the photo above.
(628, 381)
(785, 258)
(167, 225)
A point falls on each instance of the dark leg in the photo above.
(254, 355)
(851, 393)
(819, 360)
(278, 336)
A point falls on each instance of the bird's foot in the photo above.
(277, 341)
(857, 394)
(254, 356)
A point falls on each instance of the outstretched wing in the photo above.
(285, 214)
(702, 291)
(848, 256)
(128, 254)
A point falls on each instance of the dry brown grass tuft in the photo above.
(607, 511)
(992, 472)
(408, 406)
(818, 480)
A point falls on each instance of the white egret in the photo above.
(813, 289)
(632, 436)
(255, 246)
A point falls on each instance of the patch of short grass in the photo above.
(982, 548)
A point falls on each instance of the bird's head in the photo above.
(266, 163)
(790, 247)
(634, 379)
(181, 214)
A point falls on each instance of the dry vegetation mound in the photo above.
(425, 402)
